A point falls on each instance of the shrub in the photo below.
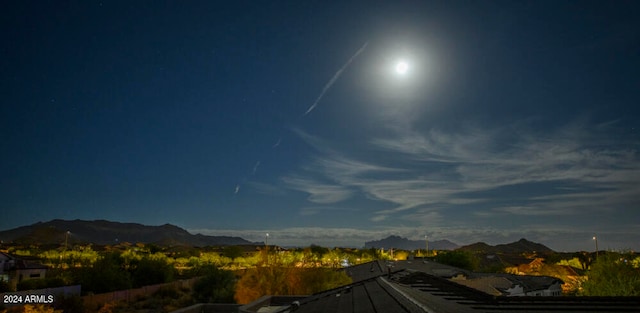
(217, 286)
(612, 275)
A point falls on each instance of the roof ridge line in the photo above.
(408, 297)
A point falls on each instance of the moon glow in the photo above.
(402, 67)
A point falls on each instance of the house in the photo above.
(6, 263)
(521, 265)
(14, 270)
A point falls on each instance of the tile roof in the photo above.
(411, 291)
(366, 271)
(443, 295)
(371, 295)
(432, 268)
(490, 285)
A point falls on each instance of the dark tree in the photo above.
(462, 259)
(585, 259)
(233, 252)
(318, 250)
(217, 286)
(107, 274)
(149, 272)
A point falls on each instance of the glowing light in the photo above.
(402, 67)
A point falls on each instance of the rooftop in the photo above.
(414, 286)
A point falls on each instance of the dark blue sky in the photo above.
(514, 119)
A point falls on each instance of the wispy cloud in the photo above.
(562, 171)
(530, 210)
(313, 210)
(318, 192)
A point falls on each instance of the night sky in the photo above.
(326, 122)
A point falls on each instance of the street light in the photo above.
(66, 239)
(266, 248)
(427, 241)
(595, 238)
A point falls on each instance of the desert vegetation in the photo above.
(236, 274)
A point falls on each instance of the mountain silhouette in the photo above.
(518, 247)
(397, 242)
(104, 232)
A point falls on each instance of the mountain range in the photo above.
(398, 242)
(104, 232)
(518, 247)
(515, 248)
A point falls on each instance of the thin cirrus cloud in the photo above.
(379, 182)
(318, 192)
(571, 156)
(556, 172)
(314, 210)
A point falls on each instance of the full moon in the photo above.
(402, 67)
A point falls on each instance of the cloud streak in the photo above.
(319, 192)
(335, 78)
(571, 172)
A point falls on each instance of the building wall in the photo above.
(17, 275)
